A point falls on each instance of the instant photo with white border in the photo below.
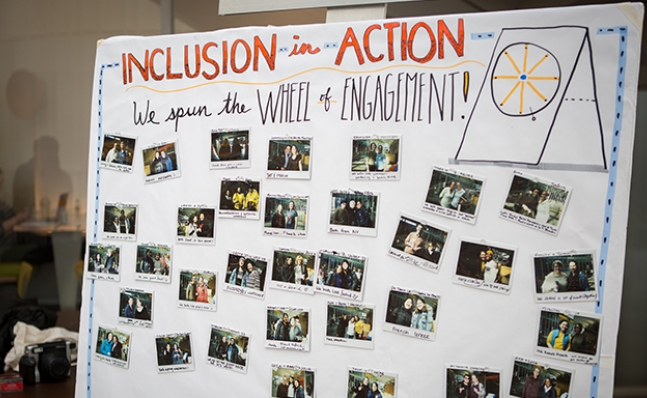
(449, 211)
(111, 159)
(425, 323)
(188, 358)
(240, 213)
(373, 375)
(544, 368)
(338, 219)
(482, 380)
(347, 341)
(426, 257)
(155, 271)
(244, 290)
(275, 228)
(488, 270)
(135, 293)
(520, 213)
(109, 359)
(293, 287)
(351, 260)
(109, 226)
(284, 172)
(195, 232)
(588, 339)
(212, 301)
(217, 162)
(557, 294)
(377, 174)
(222, 363)
(291, 368)
(163, 175)
(100, 269)
(292, 312)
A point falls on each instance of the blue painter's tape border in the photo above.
(482, 36)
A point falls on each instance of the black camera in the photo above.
(46, 362)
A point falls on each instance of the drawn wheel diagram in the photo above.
(525, 79)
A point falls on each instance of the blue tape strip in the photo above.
(482, 36)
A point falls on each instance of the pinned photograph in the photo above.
(293, 270)
(485, 265)
(195, 224)
(120, 221)
(537, 379)
(229, 149)
(536, 203)
(473, 381)
(419, 243)
(246, 274)
(161, 162)
(299, 380)
(375, 158)
(371, 383)
(113, 346)
(228, 349)
(569, 335)
(174, 353)
(454, 194)
(340, 274)
(288, 328)
(411, 313)
(135, 307)
(117, 152)
(565, 276)
(239, 198)
(289, 157)
(349, 325)
(153, 263)
(286, 215)
(197, 290)
(353, 213)
(104, 262)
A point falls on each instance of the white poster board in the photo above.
(525, 116)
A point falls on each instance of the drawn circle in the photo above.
(525, 79)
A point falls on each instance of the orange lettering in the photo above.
(187, 72)
(269, 58)
(456, 44)
(367, 44)
(389, 37)
(432, 49)
(170, 75)
(142, 70)
(248, 55)
(154, 75)
(349, 40)
(207, 59)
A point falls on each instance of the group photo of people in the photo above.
(153, 260)
(229, 145)
(246, 272)
(537, 200)
(341, 272)
(286, 212)
(564, 332)
(174, 349)
(119, 219)
(287, 325)
(420, 240)
(160, 159)
(567, 273)
(412, 311)
(350, 322)
(227, 346)
(534, 381)
(240, 195)
(293, 383)
(199, 287)
(463, 383)
(369, 385)
(194, 222)
(103, 259)
(485, 262)
(113, 343)
(136, 305)
(353, 209)
(117, 149)
(289, 155)
(375, 155)
(454, 191)
(293, 267)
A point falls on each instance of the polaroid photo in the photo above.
(120, 221)
(363, 382)
(198, 290)
(113, 346)
(174, 353)
(569, 335)
(375, 157)
(293, 270)
(565, 276)
(135, 307)
(228, 349)
(153, 263)
(289, 158)
(161, 161)
(473, 381)
(288, 328)
(419, 243)
(353, 213)
(195, 224)
(104, 262)
(532, 378)
(412, 313)
(301, 378)
(341, 274)
(349, 325)
(454, 194)
(485, 265)
(536, 203)
(240, 198)
(229, 149)
(117, 152)
(246, 274)
(286, 215)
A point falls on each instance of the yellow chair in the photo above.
(19, 272)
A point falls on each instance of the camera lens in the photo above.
(53, 368)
